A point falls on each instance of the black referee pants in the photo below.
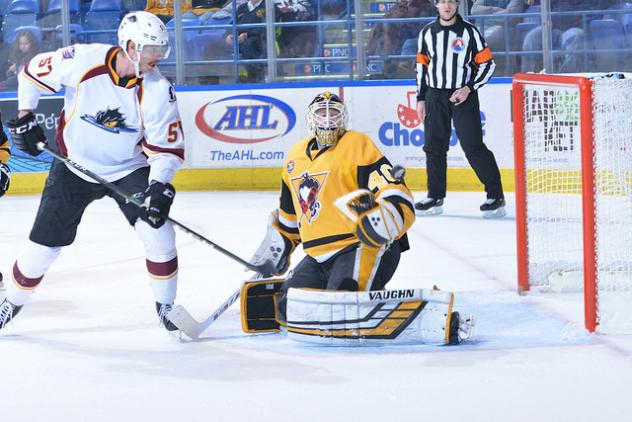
(440, 113)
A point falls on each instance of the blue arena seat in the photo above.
(533, 19)
(54, 6)
(35, 30)
(106, 6)
(76, 33)
(106, 23)
(607, 34)
(13, 21)
(521, 31)
(23, 6)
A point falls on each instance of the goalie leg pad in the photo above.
(382, 317)
(258, 305)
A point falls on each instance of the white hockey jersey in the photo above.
(109, 125)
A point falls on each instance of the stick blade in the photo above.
(182, 319)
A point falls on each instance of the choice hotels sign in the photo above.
(245, 119)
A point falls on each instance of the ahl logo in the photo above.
(307, 187)
(458, 45)
(111, 120)
(242, 115)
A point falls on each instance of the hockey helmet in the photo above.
(327, 119)
(149, 35)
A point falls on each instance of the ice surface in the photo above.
(88, 347)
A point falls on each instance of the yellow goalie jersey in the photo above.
(313, 180)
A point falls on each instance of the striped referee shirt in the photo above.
(450, 57)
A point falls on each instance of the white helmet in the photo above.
(143, 29)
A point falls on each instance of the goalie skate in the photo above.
(494, 208)
(461, 328)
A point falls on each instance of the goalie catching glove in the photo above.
(275, 248)
(26, 134)
(377, 222)
(156, 200)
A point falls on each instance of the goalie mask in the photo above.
(149, 35)
(326, 119)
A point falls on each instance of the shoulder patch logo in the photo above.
(172, 94)
(307, 188)
(68, 53)
(290, 166)
(111, 120)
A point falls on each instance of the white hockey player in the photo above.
(120, 120)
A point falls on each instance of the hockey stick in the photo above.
(182, 319)
(265, 268)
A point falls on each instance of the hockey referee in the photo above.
(453, 61)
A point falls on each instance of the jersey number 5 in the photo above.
(46, 65)
(173, 131)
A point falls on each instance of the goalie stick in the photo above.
(183, 319)
(265, 268)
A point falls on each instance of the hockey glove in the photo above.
(26, 134)
(275, 248)
(377, 222)
(157, 200)
(5, 178)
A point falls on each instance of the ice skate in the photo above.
(429, 206)
(163, 309)
(7, 312)
(461, 328)
(494, 208)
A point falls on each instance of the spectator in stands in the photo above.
(334, 9)
(251, 42)
(387, 39)
(567, 34)
(164, 8)
(494, 32)
(295, 41)
(24, 48)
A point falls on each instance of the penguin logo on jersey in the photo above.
(306, 188)
(111, 120)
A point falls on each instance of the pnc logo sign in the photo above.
(245, 119)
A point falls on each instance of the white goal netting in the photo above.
(553, 157)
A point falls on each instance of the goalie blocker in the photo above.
(343, 318)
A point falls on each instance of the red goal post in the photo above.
(572, 194)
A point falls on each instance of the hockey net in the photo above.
(573, 152)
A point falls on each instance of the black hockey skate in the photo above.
(494, 208)
(163, 309)
(461, 328)
(8, 311)
(429, 206)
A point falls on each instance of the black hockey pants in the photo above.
(467, 122)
